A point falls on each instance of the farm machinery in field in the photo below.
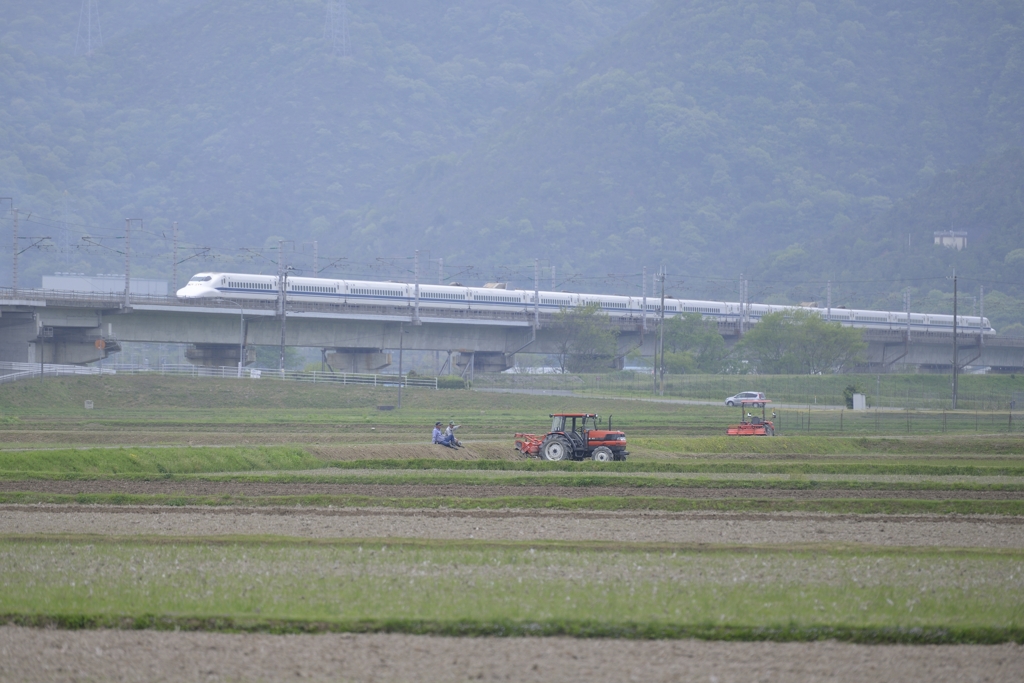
(575, 436)
(753, 425)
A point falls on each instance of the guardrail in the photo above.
(313, 377)
(12, 372)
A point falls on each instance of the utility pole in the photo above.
(956, 350)
(743, 306)
(981, 318)
(740, 304)
(552, 278)
(174, 257)
(906, 306)
(829, 301)
(65, 233)
(643, 308)
(241, 338)
(746, 303)
(128, 222)
(440, 281)
(14, 218)
(401, 348)
(14, 273)
(282, 285)
(536, 295)
(316, 269)
(127, 262)
(416, 289)
(661, 333)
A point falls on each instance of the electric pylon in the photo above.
(336, 27)
(89, 14)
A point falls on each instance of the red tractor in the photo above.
(753, 425)
(575, 436)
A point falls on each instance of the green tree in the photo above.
(770, 343)
(801, 342)
(586, 341)
(824, 348)
(693, 344)
(270, 357)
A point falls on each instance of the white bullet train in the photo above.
(247, 287)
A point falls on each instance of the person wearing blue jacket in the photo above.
(439, 437)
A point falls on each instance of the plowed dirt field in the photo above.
(32, 655)
(664, 527)
(216, 488)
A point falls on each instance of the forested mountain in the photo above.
(724, 137)
(790, 141)
(246, 121)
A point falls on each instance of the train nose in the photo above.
(194, 292)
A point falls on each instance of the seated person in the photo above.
(439, 437)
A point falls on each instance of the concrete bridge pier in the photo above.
(17, 330)
(54, 336)
(483, 361)
(359, 360)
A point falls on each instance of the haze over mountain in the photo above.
(791, 141)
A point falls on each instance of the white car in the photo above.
(745, 396)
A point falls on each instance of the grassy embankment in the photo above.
(177, 410)
(333, 429)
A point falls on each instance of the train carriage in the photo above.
(244, 286)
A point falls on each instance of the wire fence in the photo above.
(895, 422)
(904, 392)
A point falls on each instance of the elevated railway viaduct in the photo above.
(64, 327)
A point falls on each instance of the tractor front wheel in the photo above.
(555, 449)
(603, 454)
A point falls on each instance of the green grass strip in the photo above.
(693, 466)
(510, 628)
(609, 503)
(553, 479)
(158, 460)
(263, 541)
(795, 444)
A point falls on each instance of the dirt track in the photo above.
(218, 488)
(32, 655)
(665, 527)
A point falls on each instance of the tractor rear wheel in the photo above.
(603, 454)
(555, 449)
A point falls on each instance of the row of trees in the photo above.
(791, 342)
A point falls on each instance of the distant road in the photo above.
(679, 401)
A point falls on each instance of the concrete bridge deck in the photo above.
(67, 327)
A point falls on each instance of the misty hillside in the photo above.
(792, 142)
(719, 137)
(246, 120)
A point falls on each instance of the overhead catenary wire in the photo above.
(708, 287)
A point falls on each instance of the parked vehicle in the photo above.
(755, 396)
(753, 425)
